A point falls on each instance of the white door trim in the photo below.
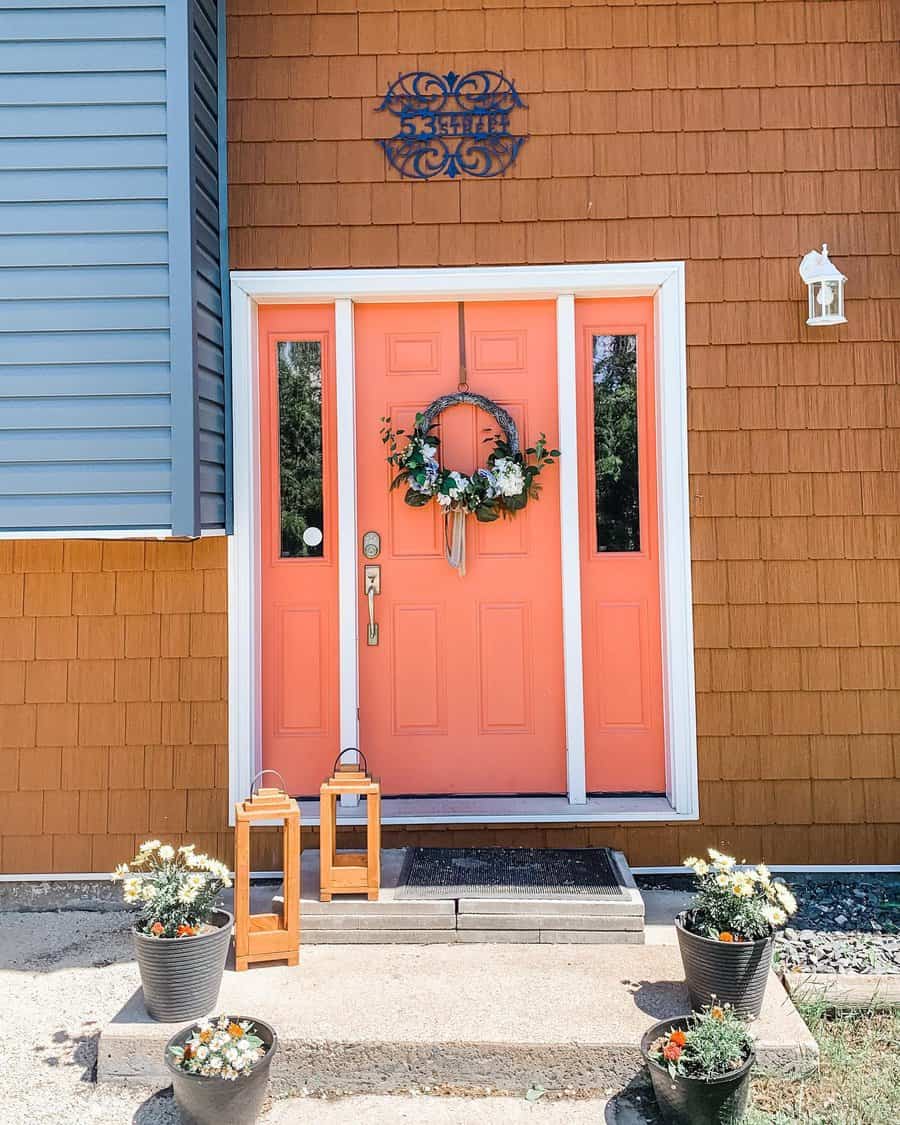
(662, 280)
(570, 549)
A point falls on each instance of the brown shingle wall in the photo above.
(736, 136)
(112, 700)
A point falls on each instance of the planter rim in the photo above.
(221, 912)
(713, 941)
(666, 1025)
(211, 1078)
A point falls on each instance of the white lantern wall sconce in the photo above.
(825, 284)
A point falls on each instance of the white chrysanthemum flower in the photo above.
(202, 1052)
(150, 845)
(786, 899)
(131, 896)
(774, 915)
(166, 852)
(722, 880)
(122, 869)
(763, 873)
(702, 867)
(510, 478)
(187, 895)
(691, 861)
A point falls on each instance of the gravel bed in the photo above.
(843, 927)
(845, 924)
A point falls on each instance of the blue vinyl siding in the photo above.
(113, 369)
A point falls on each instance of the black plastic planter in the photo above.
(693, 1101)
(734, 973)
(181, 976)
(222, 1101)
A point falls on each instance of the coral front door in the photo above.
(463, 691)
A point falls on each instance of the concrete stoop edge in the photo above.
(466, 1018)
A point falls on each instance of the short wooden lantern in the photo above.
(349, 873)
(267, 937)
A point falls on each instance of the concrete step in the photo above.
(460, 1016)
(347, 919)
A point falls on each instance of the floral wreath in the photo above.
(503, 487)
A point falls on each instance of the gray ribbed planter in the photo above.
(181, 976)
(221, 1101)
(693, 1101)
(734, 972)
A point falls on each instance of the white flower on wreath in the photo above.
(509, 476)
(460, 484)
(429, 452)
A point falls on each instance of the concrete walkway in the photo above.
(505, 1017)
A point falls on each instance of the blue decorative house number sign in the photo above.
(452, 124)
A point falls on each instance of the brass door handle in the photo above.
(372, 586)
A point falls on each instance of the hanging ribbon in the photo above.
(455, 539)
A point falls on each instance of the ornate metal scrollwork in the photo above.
(452, 124)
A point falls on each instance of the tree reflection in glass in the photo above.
(616, 443)
(300, 448)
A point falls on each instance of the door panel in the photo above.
(619, 547)
(298, 549)
(464, 692)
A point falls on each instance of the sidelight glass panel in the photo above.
(616, 443)
(300, 448)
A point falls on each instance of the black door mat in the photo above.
(508, 873)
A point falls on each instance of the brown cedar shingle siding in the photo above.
(697, 131)
(112, 699)
(736, 136)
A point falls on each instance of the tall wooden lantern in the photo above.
(349, 873)
(267, 937)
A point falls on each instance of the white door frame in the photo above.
(664, 281)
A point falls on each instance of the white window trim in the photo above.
(664, 281)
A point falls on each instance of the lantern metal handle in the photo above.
(261, 773)
(351, 750)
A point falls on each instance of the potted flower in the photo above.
(180, 936)
(700, 1066)
(220, 1069)
(726, 938)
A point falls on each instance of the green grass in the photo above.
(859, 1079)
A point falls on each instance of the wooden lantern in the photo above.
(267, 937)
(349, 873)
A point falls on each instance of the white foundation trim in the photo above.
(664, 281)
